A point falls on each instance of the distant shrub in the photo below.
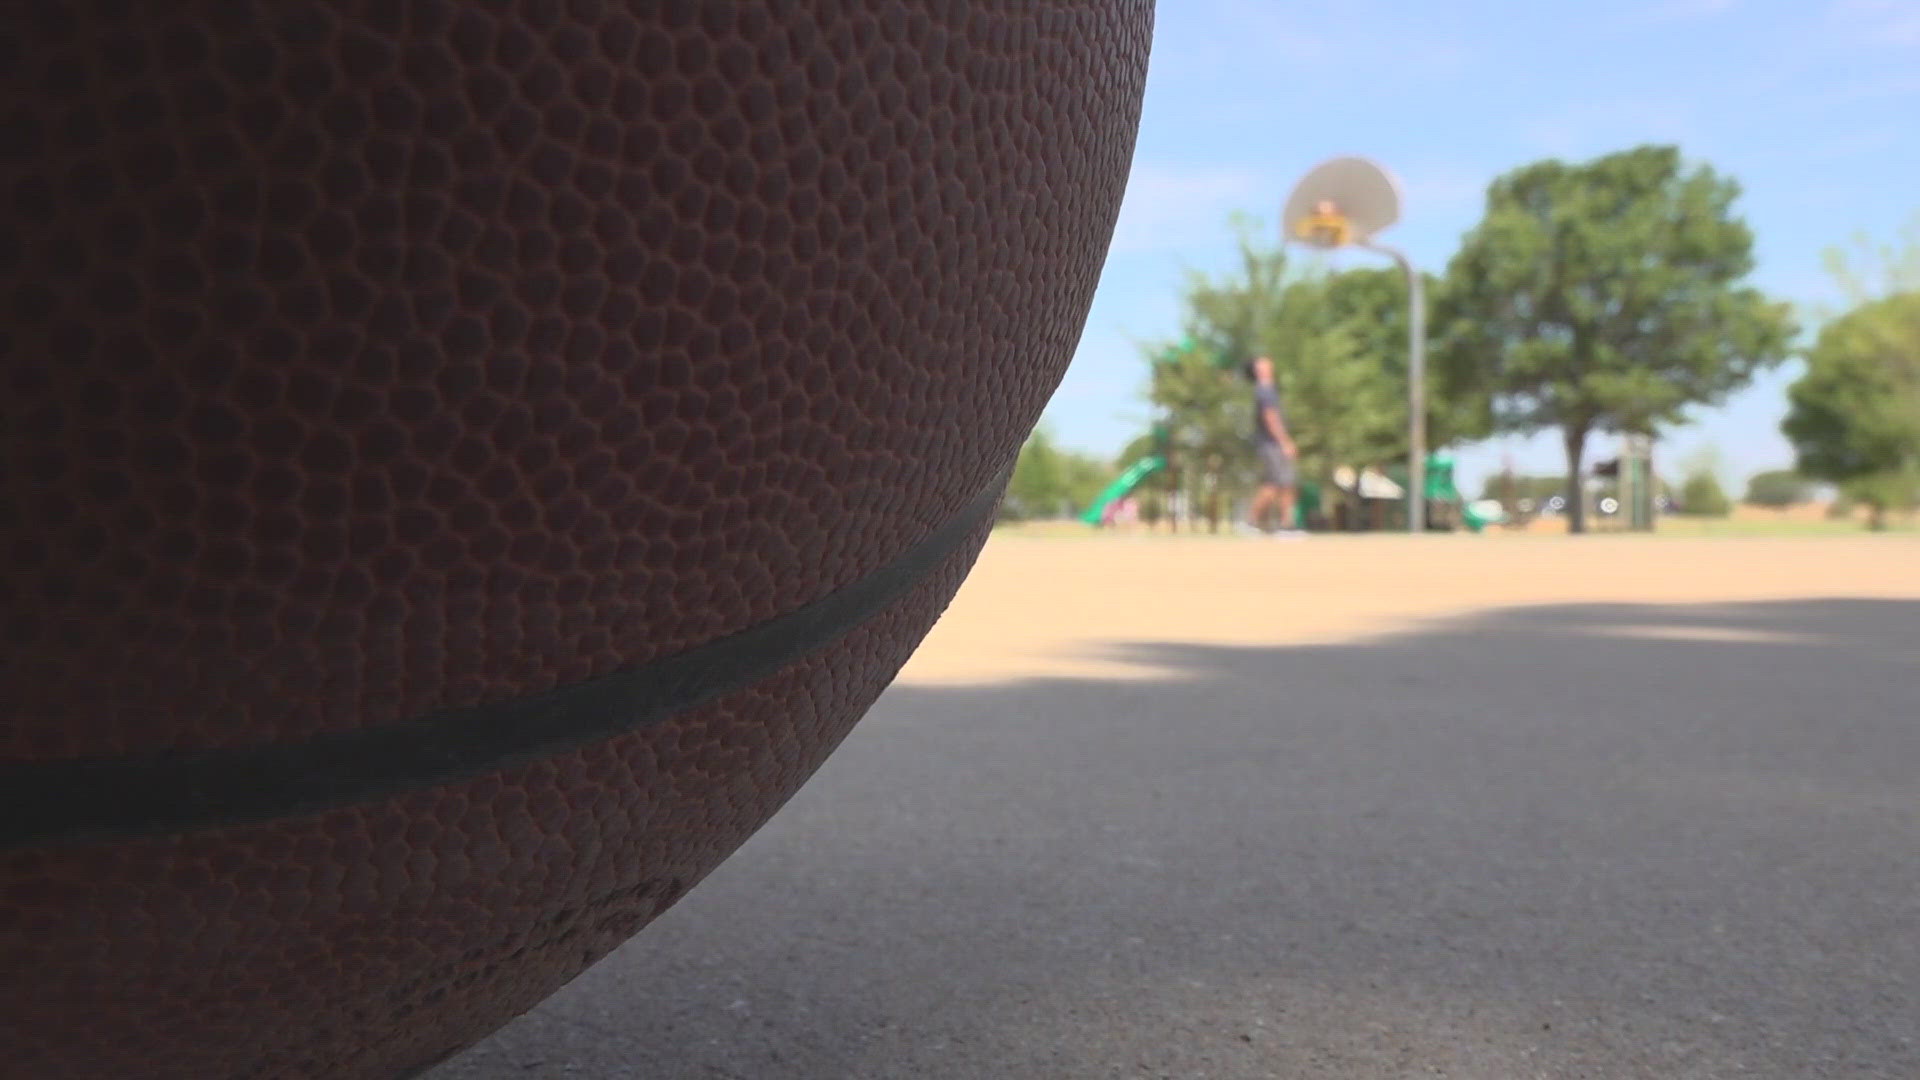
(1702, 496)
(1778, 489)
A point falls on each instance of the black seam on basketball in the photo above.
(162, 793)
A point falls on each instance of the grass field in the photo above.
(1757, 525)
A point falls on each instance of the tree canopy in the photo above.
(1702, 496)
(1051, 481)
(1778, 488)
(1606, 296)
(1854, 417)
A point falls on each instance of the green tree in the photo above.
(1050, 481)
(1081, 478)
(1854, 416)
(1606, 296)
(1136, 448)
(1208, 417)
(1702, 496)
(1884, 492)
(1370, 305)
(1340, 408)
(1537, 488)
(1152, 508)
(1778, 489)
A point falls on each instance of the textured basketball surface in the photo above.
(467, 464)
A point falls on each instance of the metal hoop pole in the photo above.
(1416, 389)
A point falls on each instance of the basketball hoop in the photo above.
(1344, 202)
(1340, 203)
(1325, 227)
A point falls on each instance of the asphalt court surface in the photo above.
(1369, 807)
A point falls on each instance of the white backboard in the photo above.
(1362, 192)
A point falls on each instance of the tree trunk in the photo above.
(1652, 494)
(1576, 488)
(1876, 517)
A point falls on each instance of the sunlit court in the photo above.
(1055, 602)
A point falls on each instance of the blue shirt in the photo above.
(1264, 398)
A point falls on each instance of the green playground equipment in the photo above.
(1132, 476)
(1128, 479)
(1481, 513)
(1188, 346)
(1175, 352)
(1440, 488)
(1306, 503)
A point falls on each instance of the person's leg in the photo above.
(1285, 482)
(1262, 500)
(1273, 481)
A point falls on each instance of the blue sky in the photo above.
(1813, 105)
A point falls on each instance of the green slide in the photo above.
(1479, 515)
(1126, 482)
(1476, 515)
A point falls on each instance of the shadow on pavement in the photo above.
(1563, 841)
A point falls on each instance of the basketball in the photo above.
(467, 465)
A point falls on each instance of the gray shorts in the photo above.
(1275, 466)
